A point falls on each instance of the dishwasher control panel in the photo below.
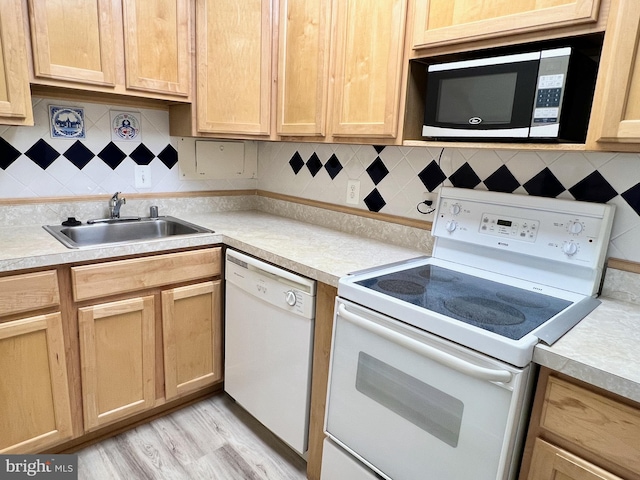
(271, 284)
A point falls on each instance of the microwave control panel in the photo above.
(552, 75)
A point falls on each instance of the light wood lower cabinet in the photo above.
(143, 341)
(117, 360)
(580, 432)
(552, 463)
(35, 411)
(192, 333)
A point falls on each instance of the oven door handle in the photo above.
(426, 351)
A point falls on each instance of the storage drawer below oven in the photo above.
(339, 465)
(411, 405)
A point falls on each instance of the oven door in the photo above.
(411, 405)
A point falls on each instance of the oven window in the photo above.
(426, 407)
(490, 97)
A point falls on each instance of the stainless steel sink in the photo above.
(120, 231)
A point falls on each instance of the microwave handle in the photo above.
(426, 351)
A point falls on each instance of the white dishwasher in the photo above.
(269, 317)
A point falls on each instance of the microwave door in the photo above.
(484, 101)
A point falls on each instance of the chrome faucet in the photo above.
(115, 204)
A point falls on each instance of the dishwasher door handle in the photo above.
(426, 351)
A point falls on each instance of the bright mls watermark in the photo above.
(49, 467)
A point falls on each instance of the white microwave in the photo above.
(542, 95)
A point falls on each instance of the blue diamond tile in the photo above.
(142, 155)
(374, 201)
(112, 155)
(465, 177)
(333, 166)
(42, 154)
(79, 154)
(296, 163)
(8, 154)
(544, 184)
(432, 176)
(168, 156)
(502, 180)
(593, 188)
(377, 171)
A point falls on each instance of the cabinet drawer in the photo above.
(103, 279)
(31, 291)
(598, 424)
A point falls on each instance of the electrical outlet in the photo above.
(142, 176)
(353, 192)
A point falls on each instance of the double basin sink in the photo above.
(120, 231)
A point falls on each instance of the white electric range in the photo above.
(431, 372)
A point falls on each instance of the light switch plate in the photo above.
(143, 176)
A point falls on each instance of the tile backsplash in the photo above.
(393, 180)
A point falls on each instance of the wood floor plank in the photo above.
(213, 439)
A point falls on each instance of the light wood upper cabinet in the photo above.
(442, 22)
(129, 47)
(35, 410)
(233, 51)
(303, 67)
(615, 118)
(192, 333)
(15, 96)
(157, 50)
(117, 358)
(74, 40)
(368, 67)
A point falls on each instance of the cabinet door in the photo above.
(73, 40)
(35, 412)
(303, 66)
(552, 463)
(192, 331)
(15, 96)
(233, 49)
(157, 50)
(441, 22)
(615, 117)
(117, 359)
(368, 67)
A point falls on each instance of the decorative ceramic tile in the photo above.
(125, 126)
(66, 122)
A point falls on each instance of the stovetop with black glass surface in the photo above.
(496, 307)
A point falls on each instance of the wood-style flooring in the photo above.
(213, 439)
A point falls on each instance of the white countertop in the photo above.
(603, 349)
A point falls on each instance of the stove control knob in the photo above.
(570, 248)
(451, 225)
(290, 297)
(575, 227)
(454, 209)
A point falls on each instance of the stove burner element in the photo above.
(483, 310)
(437, 275)
(523, 299)
(403, 287)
